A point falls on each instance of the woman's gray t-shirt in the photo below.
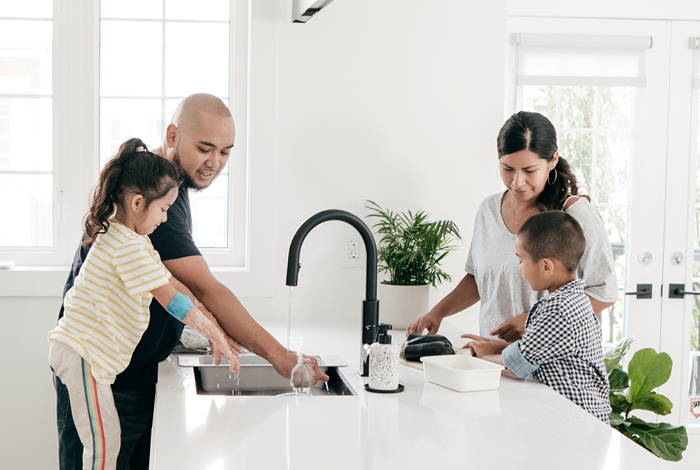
(503, 291)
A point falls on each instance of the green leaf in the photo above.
(659, 404)
(410, 248)
(619, 403)
(662, 439)
(619, 380)
(647, 370)
(617, 420)
(613, 358)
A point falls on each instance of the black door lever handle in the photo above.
(643, 291)
(677, 291)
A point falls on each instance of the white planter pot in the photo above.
(402, 305)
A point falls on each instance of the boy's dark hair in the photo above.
(134, 169)
(553, 234)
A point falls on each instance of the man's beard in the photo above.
(186, 181)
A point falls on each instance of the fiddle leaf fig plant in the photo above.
(633, 390)
(410, 247)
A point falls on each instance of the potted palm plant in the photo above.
(410, 251)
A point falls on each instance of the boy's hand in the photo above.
(497, 345)
(511, 330)
(482, 347)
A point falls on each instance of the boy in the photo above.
(561, 346)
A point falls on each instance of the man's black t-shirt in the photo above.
(173, 240)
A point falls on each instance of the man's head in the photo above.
(546, 240)
(199, 139)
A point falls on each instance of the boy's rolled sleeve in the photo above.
(513, 359)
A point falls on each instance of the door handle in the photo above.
(677, 291)
(643, 291)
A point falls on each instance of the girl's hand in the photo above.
(221, 345)
(216, 353)
(197, 320)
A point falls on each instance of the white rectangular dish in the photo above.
(462, 373)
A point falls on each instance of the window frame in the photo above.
(42, 271)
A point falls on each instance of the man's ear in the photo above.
(171, 135)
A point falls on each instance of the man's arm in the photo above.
(194, 272)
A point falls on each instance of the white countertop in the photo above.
(523, 424)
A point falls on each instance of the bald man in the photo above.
(198, 142)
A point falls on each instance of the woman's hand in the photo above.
(495, 344)
(513, 329)
(429, 321)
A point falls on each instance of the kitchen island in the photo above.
(522, 424)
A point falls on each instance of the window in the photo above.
(150, 59)
(97, 73)
(26, 171)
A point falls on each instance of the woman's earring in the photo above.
(555, 177)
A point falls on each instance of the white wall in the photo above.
(27, 400)
(388, 100)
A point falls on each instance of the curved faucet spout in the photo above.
(370, 306)
(343, 216)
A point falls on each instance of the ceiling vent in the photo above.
(303, 10)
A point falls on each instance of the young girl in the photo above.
(107, 310)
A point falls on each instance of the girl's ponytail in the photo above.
(133, 169)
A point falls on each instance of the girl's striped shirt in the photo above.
(107, 310)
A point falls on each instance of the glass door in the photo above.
(604, 84)
(681, 267)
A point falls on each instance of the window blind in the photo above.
(580, 60)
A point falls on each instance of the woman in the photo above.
(536, 180)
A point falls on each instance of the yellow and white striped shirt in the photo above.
(107, 310)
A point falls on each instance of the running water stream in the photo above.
(296, 391)
(289, 319)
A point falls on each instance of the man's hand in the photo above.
(306, 372)
(513, 329)
(428, 322)
(285, 363)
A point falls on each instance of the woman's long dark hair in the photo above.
(134, 169)
(534, 132)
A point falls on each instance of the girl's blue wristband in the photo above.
(179, 306)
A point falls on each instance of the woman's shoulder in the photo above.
(584, 212)
(577, 205)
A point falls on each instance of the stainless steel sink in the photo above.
(258, 377)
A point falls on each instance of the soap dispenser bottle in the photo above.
(384, 364)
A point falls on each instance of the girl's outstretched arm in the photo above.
(182, 307)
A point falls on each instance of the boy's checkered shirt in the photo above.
(563, 337)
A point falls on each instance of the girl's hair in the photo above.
(134, 169)
(534, 132)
